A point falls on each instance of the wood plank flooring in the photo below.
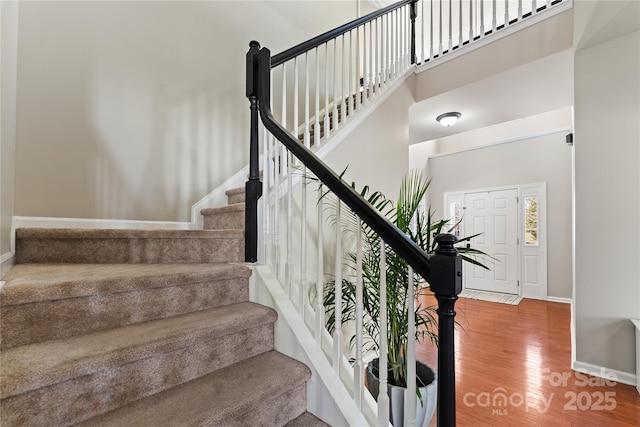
(513, 368)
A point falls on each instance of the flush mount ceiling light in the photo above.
(448, 119)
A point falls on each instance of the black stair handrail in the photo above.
(443, 270)
(392, 235)
(306, 46)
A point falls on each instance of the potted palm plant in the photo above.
(410, 216)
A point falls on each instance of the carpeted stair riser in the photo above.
(266, 390)
(42, 320)
(128, 246)
(135, 328)
(227, 217)
(94, 383)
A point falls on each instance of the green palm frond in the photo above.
(410, 214)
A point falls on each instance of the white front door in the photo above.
(494, 214)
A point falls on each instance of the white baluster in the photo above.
(365, 65)
(519, 10)
(385, 54)
(383, 398)
(326, 91)
(534, 7)
(337, 334)
(470, 21)
(289, 264)
(431, 43)
(422, 23)
(289, 166)
(440, 46)
(548, 4)
(296, 82)
(356, 70)
(404, 22)
(371, 85)
(320, 272)
(307, 131)
(303, 245)
(397, 45)
(276, 196)
(350, 70)
(334, 119)
(358, 367)
(482, 32)
(460, 40)
(266, 235)
(494, 25)
(284, 95)
(506, 14)
(411, 352)
(316, 129)
(344, 80)
(450, 25)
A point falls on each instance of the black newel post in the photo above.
(253, 187)
(446, 284)
(413, 15)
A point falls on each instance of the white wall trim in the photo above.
(606, 373)
(521, 25)
(506, 141)
(42, 222)
(561, 300)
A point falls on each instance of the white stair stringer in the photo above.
(327, 396)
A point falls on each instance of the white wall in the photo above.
(8, 69)
(136, 110)
(376, 153)
(531, 160)
(607, 141)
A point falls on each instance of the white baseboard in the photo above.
(7, 260)
(606, 373)
(45, 222)
(559, 299)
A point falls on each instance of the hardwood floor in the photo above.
(513, 368)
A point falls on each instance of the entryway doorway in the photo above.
(511, 227)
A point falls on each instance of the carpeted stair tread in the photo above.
(225, 217)
(87, 233)
(42, 302)
(236, 207)
(236, 195)
(26, 283)
(63, 245)
(37, 365)
(254, 392)
(307, 420)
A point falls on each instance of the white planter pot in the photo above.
(398, 396)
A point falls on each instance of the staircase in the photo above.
(142, 328)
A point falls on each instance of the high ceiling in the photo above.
(527, 73)
(541, 86)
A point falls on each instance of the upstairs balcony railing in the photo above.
(304, 96)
